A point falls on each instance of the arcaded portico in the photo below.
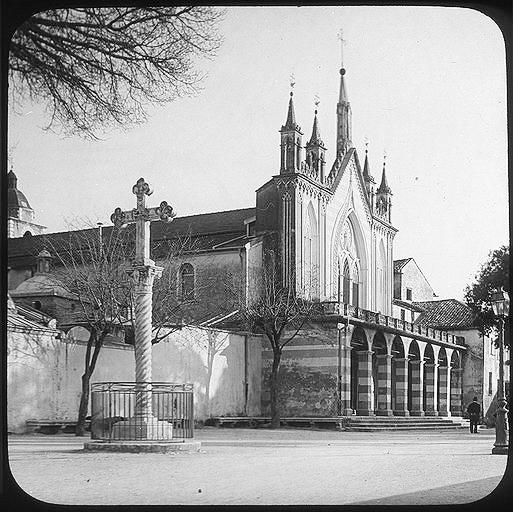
(390, 367)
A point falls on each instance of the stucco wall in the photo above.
(44, 374)
(413, 278)
(478, 362)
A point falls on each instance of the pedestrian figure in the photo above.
(474, 412)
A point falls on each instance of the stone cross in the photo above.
(143, 272)
(342, 41)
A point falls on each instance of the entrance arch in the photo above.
(381, 376)
(399, 378)
(430, 382)
(360, 372)
(443, 384)
(456, 392)
(415, 380)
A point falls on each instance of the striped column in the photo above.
(345, 381)
(365, 397)
(417, 388)
(430, 381)
(400, 368)
(456, 392)
(384, 385)
(443, 390)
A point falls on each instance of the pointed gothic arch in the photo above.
(348, 243)
(381, 279)
(310, 253)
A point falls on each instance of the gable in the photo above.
(356, 193)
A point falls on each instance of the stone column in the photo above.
(401, 386)
(143, 277)
(345, 381)
(456, 392)
(365, 398)
(384, 385)
(430, 381)
(443, 390)
(417, 388)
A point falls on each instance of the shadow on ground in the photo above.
(466, 492)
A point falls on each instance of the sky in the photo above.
(427, 85)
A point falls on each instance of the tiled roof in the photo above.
(207, 229)
(444, 314)
(230, 221)
(399, 264)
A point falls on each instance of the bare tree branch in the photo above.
(98, 67)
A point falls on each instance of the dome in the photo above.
(41, 284)
(15, 198)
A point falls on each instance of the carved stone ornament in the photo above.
(142, 188)
(165, 212)
(119, 218)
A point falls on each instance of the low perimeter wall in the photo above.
(44, 373)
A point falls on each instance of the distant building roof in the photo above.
(42, 285)
(399, 264)
(207, 230)
(447, 313)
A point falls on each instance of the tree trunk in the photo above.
(84, 403)
(275, 407)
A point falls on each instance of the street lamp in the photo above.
(500, 305)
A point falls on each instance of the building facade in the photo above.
(331, 230)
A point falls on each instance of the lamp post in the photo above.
(500, 305)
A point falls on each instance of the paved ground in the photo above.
(246, 466)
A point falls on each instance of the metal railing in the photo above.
(115, 415)
(340, 308)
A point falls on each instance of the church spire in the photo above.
(367, 176)
(291, 116)
(344, 128)
(316, 134)
(290, 139)
(384, 197)
(315, 150)
(383, 187)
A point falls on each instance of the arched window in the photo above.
(356, 284)
(346, 286)
(187, 282)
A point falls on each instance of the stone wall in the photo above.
(44, 373)
(308, 374)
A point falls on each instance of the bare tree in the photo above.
(92, 266)
(279, 313)
(96, 67)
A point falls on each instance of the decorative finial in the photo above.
(316, 102)
(292, 83)
(366, 145)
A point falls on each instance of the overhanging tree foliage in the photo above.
(95, 67)
(493, 275)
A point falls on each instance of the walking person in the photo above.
(474, 412)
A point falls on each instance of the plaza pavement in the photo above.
(266, 467)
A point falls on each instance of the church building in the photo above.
(329, 222)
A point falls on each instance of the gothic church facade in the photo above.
(333, 224)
